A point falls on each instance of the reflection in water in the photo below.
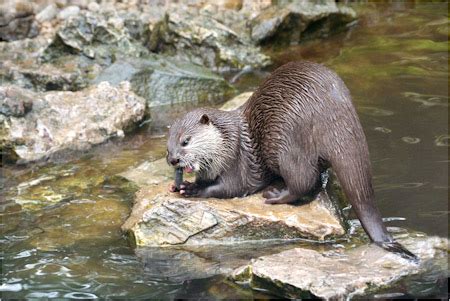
(60, 223)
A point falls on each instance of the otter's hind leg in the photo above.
(283, 196)
(300, 174)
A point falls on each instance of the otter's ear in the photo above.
(205, 119)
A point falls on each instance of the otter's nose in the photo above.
(174, 161)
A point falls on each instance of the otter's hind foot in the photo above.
(275, 196)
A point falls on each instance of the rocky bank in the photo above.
(169, 52)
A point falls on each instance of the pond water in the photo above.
(60, 223)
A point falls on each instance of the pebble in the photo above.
(79, 3)
(68, 12)
(47, 13)
(93, 6)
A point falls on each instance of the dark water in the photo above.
(60, 224)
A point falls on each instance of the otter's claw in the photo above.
(172, 188)
(189, 189)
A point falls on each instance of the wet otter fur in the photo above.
(300, 121)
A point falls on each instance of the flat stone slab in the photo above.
(161, 218)
(165, 219)
(338, 275)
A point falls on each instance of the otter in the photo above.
(299, 122)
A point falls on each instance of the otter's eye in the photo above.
(185, 141)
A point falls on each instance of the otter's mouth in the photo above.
(188, 169)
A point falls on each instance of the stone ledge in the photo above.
(303, 272)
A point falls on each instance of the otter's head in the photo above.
(196, 144)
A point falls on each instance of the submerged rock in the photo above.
(299, 20)
(204, 40)
(305, 273)
(160, 218)
(63, 121)
(162, 80)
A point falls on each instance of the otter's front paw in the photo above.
(173, 188)
(189, 189)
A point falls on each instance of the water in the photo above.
(60, 225)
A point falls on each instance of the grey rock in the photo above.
(103, 37)
(306, 273)
(15, 101)
(42, 77)
(162, 80)
(71, 121)
(300, 20)
(68, 12)
(47, 13)
(17, 21)
(204, 40)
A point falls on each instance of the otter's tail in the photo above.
(352, 167)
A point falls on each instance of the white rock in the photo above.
(68, 12)
(47, 13)
(93, 6)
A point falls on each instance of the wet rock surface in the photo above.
(299, 20)
(305, 273)
(163, 80)
(63, 121)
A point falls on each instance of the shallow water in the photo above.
(60, 223)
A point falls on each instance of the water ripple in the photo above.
(427, 100)
(442, 140)
(410, 140)
(382, 129)
(80, 295)
(373, 111)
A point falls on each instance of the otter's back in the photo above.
(301, 105)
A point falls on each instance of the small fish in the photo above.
(178, 177)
